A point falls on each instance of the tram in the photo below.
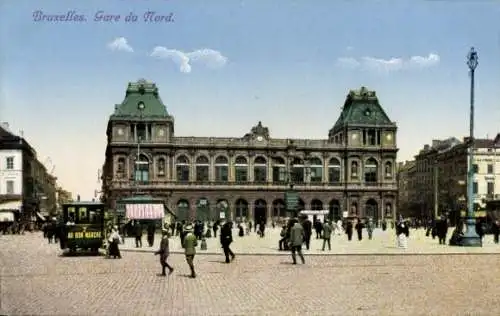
(83, 226)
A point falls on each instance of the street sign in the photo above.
(291, 200)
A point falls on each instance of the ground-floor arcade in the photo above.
(268, 206)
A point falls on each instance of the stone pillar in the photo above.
(325, 168)
(135, 132)
(250, 168)
(269, 213)
(211, 167)
(230, 168)
(269, 170)
(251, 211)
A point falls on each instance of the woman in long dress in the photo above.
(402, 233)
(113, 240)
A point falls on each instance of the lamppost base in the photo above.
(472, 240)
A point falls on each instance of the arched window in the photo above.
(388, 169)
(161, 167)
(354, 169)
(316, 169)
(120, 168)
(260, 169)
(371, 171)
(182, 168)
(297, 170)
(221, 169)
(279, 170)
(142, 169)
(334, 171)
(202, 167)
(241, 169)
(388, 210)
(241, 209)
(354, 209)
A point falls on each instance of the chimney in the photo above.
(78, 198)
(435, 142)
(5, 125)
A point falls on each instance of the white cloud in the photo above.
(392, 64)
(206, 56)
(120, 44)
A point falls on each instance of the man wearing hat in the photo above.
(189, 244)
(164, 251)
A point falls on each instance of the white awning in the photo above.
(6, 216)
(144, 211)
(11, 206)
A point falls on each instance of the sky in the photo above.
(223, 65)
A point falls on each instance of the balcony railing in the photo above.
(250, 185)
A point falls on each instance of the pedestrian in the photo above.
(151, 234)
(307, 225)
(283, 238)
(226, 238)
(442, 230)
(359, 229)
(369, 228)
(114, 240)
(402, 233)
(138, 234)
(164, 252)
(215, 228)
(327, 234)
(348, 229)
(496, 231)
(189, 244)
(296, 241)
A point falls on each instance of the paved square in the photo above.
(36, 281)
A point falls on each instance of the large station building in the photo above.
(351, 170)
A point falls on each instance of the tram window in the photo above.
(82, 215)
(94, 216)
(71, 214)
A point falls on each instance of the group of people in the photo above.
(189, 241)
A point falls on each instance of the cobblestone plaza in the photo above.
(35, 280)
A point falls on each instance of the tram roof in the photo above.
(83, 203)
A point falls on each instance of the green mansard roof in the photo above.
(362, 107)
(141, 91)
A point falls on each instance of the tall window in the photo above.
(371, 171)
(141, 132)
(316, 168)
(10, 186)
(474, 188)
(490, 169)
(202, 167)
(161, 167)
(490, 188)
(182, 168)
(334, 170)
(297, 170)
(475, 167)
(9, 163)
(260, 169)
(279, 170)
(241, 169)
(120, 168)
(142, 169)
(221, 169)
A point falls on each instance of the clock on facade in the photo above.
(161, 132)
(354, 136)
(259, 138)
(120, 131)
(388, 136)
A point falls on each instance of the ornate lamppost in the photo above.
(291, 195)
(471, 238)
(138, 162)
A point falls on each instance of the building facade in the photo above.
(441, 175)
(406, 188)
(27, 190)
(352, 170)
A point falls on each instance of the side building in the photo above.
(27, 190)
(406, 189)
(441, 175)
(352, 170)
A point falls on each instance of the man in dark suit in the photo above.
(226, 238)
(307, 225)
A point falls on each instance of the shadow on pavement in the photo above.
(217, 261)
(68, 254)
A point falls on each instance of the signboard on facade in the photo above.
(222, 215)
(291, 200)
(345, 214)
